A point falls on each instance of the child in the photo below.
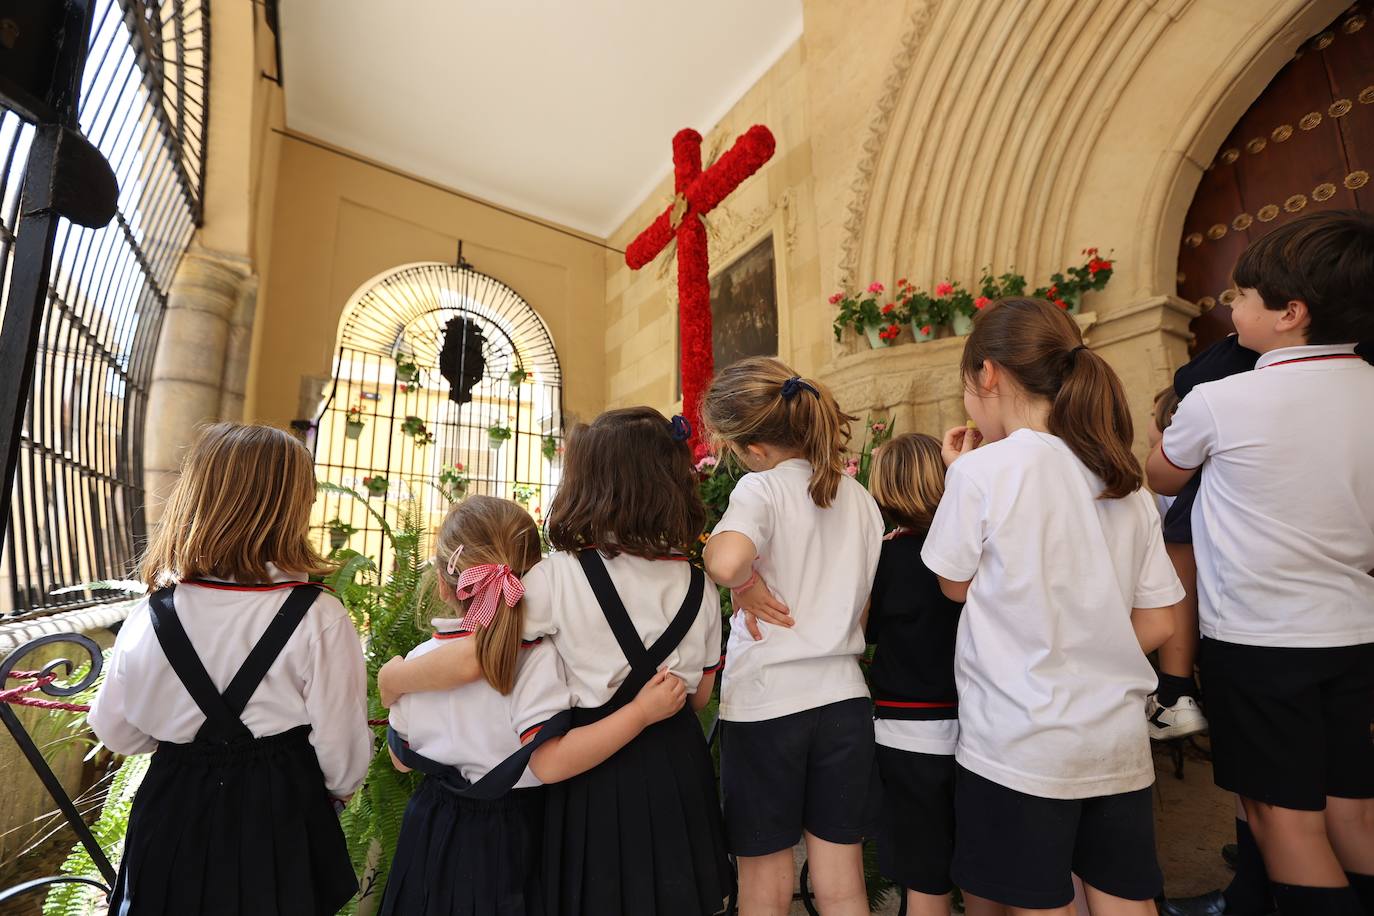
(912, 626)
(247, 684)
(1047, 536)
(1173, 710)
(797, 751)
(1284, 538)
(471, 841)
(641, 834)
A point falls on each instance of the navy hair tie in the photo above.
(680, 428)
(795, 385)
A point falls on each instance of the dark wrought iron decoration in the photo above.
(460, 355)
(74, 509)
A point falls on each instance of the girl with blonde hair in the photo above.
(471, 843)
(246, 682)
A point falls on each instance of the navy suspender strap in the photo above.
(643, 661)
(222, 711)
(497, 781)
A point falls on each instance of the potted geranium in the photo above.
(549, 447)
(1066, 289)
(376, 486)
(497, 435)
(879, 323)
(353, 427)
(453, 481)
(407, 370)
(523, 493)
(339, 532)
(415, 428)
(517, 376)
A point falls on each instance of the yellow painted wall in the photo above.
(337, 221)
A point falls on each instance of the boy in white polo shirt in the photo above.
(1283, 529)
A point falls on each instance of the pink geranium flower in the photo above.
(851, 467)
(944, 289)
(835, 299)
(875, 287)
(706, 463)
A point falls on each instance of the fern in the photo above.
(109, 830)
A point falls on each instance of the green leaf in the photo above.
(341, 490)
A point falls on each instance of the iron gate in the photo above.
(395, 427)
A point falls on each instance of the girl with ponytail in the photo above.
(472, 841)
(1046, 535)
(798, 546)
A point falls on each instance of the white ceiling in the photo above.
(563, 109)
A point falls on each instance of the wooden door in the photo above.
(1307, 143)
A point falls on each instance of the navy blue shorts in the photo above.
(812, 770)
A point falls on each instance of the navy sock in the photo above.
(1171, 687)
(1297, 900)
(1248, 893)
(1363, 886)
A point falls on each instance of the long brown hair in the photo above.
(747, 405)
(489, 531)
(628, 487)
(907, 479)
(1040, 347)
(242, 501)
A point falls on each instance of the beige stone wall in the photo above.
(927, 138)
(338, 221)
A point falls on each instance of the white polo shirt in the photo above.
(1283, 526)
(820, 563)
(560, 604)
(1051, 679)
(474, 727)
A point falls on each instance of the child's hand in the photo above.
(758, 602)
(386, 682)
(661, 697)
(960, 440)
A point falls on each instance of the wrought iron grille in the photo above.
(77, 511)
(368, 429)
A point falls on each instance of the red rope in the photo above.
(16, 696)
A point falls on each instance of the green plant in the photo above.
(377, 486)
(861, 311)
(549, 447)
(524, 493)
(453, 481)
(109, 830)
(388, 613)
(339, 532)
(407, 370)
(517, 376)
(415, 428)
(497, 435)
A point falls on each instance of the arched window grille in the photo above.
(393, 428)
(77, 508)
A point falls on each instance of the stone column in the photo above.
(198, 373)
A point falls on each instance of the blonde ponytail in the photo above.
(486, 530)
(761, 401)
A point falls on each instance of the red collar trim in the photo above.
(900, 704)
(257, 587)
(1312, 359)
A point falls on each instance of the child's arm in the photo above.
(702, 696)
(583, 748)
(1166, 478)
(451, 665)
(729, 558)
(1153, 626)
(400, 767)
(955, 591)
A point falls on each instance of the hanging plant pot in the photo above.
(376, 486)
(353, 429)
(497, 436)
(517, 377)
(922, 333)
(961, 324)
(337, 538)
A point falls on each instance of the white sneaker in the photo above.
(1182, 719)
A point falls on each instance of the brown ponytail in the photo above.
(761, 401)
(1040, 346)
(497, 531)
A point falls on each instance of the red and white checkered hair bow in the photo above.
(488, 585)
